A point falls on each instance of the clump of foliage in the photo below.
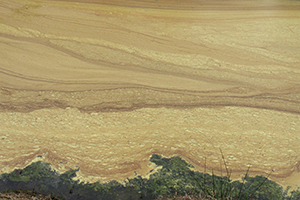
(40, 178)
(174, 178)
(35, 171)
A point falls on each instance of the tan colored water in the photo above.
(104, 84)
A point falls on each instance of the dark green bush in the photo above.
(174, 177)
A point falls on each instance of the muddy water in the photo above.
(104, 84)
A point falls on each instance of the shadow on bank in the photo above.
(175, 178)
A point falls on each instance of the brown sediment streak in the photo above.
(217, 101)
(102, 85)
(189, 5)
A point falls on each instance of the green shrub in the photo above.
(174, 178)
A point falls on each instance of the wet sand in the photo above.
(104, 84)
